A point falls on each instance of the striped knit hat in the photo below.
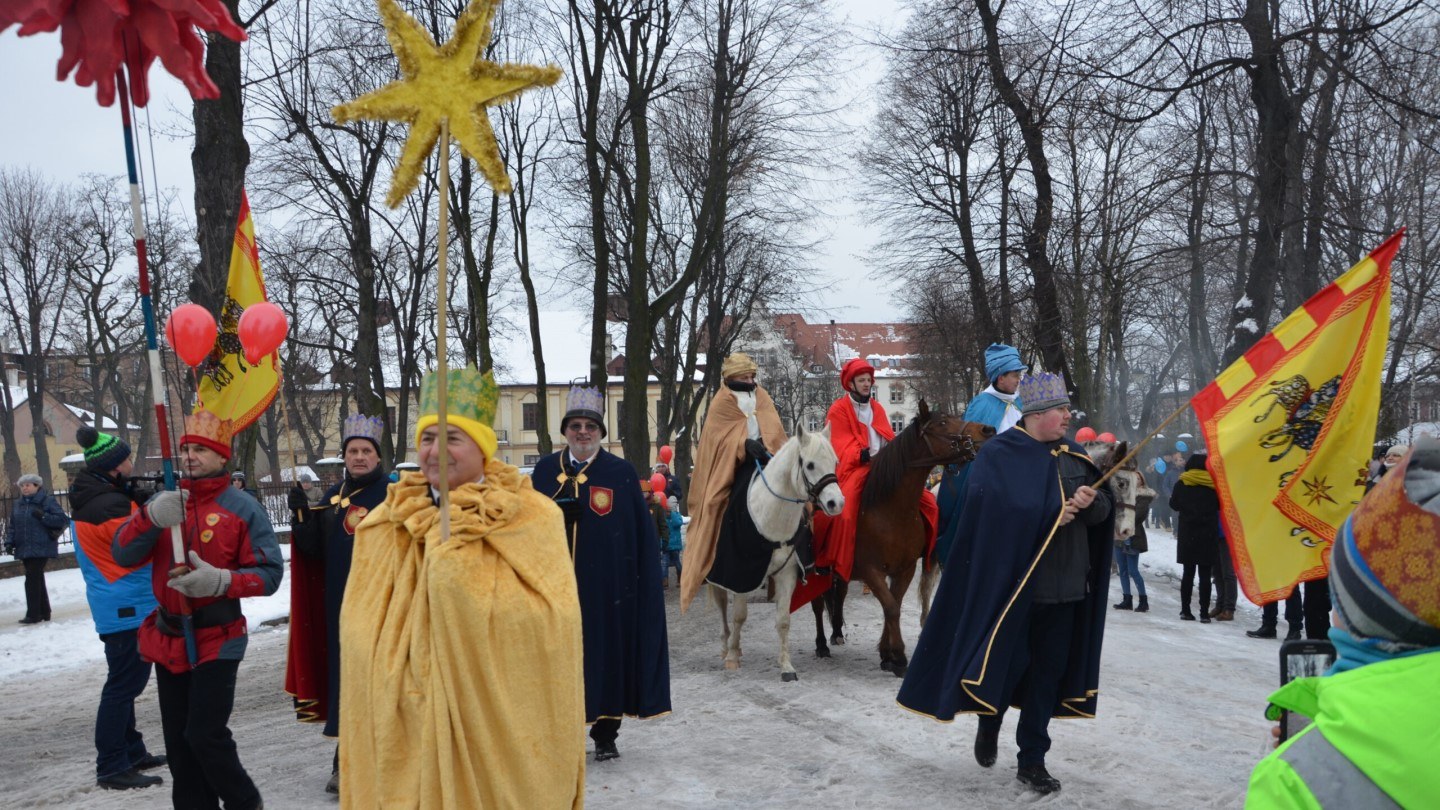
(1385, 564)
(103, 452)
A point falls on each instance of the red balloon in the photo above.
(261, 330)
(1085, 434)
(1107, 437)
(657, 483)
(666, 453)
(190, 331)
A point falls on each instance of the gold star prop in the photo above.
(451, 82)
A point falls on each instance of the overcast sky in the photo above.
(62, 132)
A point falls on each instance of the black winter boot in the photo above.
(1038, 779)
(986, 746)
(1144, 606)
(1264, 631)
(1125, 603)
(1294, 633)
(1204, 614)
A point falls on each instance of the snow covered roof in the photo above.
(1409, 435)
(106, 423)
(18, 395)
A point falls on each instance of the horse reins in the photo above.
(812, 492)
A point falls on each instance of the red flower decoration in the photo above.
(97, 36)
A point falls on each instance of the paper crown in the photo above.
(1041, 392)
(584, 402)
(205, 428)
(470, 402)
(1385, 564)
(360, 426)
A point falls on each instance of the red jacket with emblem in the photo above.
(228, 529)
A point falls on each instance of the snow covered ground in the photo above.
(1179, 717)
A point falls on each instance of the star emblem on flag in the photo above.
(451, 82)
(1317, 490)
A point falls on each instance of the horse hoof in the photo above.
(839, 640)
(885, 665)
(822, 652)
(788, 677)
(899, 670)
(732, 664)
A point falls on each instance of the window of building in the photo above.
(812, 423)
(897, 422)
(531, 459)
(619, 426)
(530, 416)
(897, 393)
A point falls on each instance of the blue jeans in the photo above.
(1129, 565)
(667, 559)
(117, 742)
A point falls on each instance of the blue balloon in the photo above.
(1159, 465)
(1182, 447)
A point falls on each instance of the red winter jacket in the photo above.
(228, 529)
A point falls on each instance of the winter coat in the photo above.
(228, 529)
(676, 540)
(1373, 742)
(30, 522)
(1197, 532)
(120, 598)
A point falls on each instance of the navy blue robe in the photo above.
(1010, 510)
(331, 532)
(617, 568)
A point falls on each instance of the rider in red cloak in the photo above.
(859, 427)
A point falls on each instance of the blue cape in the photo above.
(617, 568)
(1010, 510)
(987, 409)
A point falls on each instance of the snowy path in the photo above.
(1179, 722)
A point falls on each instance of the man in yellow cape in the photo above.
(740, 410)
(461, 655)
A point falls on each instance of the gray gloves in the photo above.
(167, 508)
(205, 581)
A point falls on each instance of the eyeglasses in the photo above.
(583, 427)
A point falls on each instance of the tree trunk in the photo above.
(219, 160)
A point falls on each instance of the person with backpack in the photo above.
(33, 536)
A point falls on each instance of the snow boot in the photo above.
(604, 751)
(1215, 614)
(1038, 779)
(1293, 634)
(128, 780)
(1124, 603)
(1144, 606)
(1204, 614)
(986, 743)
(1264, 631)
(1186, 615)
(1225, 616)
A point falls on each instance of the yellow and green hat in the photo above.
(471, 398)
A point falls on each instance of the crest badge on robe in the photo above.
(353, 517)
(602, 500)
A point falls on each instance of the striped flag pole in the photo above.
(152, 345)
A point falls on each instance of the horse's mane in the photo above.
(888, 466)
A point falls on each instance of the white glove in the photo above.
(167, 508)
(205, 581)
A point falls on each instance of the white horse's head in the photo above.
(1127, 484)
(815, 465)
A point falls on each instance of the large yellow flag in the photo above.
(230, 387)
(1291, 426)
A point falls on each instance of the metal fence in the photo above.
(274, 497)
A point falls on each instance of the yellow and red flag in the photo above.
(1291, 425)
(231, 388)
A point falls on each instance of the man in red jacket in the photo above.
(859, 427)
(232, 553)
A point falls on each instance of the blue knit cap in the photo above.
(1001, 359)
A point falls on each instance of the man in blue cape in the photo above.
(617, 569)
(997, 406)
(1020, 612)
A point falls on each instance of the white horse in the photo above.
(1128, 484)
(802, 472)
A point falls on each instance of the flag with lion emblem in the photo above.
(1291, 424)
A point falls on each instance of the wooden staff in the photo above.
(442, 370)
(1117, 465)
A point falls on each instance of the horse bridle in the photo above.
(812, 491)
(961, 443)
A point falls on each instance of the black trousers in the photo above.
(119, 745)
(205, 767)
(1312, 611)
(1187, 586)
(37, 598)
(1035, 673)
(605, 730)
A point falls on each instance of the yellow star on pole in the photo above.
(451, 82)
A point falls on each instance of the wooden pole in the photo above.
(442, 384)
(1117, 465)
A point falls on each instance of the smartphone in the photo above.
(1302, 658)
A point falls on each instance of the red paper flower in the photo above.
(97, 36)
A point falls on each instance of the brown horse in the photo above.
(891, 536)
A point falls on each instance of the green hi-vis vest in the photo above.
(1375, 742)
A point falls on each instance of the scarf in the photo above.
(736, 385)
(1197, 478)
(1353, 653)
